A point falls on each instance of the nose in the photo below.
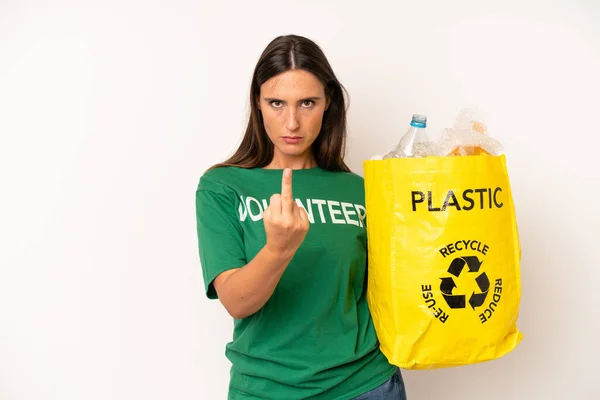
(292, 123)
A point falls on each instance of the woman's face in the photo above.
(292, 105)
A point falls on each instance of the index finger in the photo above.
(286, 191)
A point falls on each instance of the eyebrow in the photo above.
(314, 98)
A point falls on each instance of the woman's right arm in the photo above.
(243, 291)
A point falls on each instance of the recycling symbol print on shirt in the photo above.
(467, 282)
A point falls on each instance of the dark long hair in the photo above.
(283, 54)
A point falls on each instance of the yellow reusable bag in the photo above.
(444, 253)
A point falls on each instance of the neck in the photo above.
(292, 163)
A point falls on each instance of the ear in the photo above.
(257, 99)
(328, 101)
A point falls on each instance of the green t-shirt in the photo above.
(314, 338)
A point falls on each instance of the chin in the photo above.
(293, 152)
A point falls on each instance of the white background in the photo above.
(111, 110)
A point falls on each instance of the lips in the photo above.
(291, 139)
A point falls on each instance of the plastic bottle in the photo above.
(415, 142)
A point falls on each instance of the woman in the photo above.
(288, 261)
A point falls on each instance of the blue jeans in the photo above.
(392, 389)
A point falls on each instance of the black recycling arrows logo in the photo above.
(447, 285)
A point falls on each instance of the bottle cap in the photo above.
(419, 121)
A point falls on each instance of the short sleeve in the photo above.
(220, 235)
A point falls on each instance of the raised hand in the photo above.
(286, 224)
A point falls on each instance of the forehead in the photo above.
(292, 84)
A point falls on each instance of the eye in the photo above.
(307, 103)
(276, 103)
